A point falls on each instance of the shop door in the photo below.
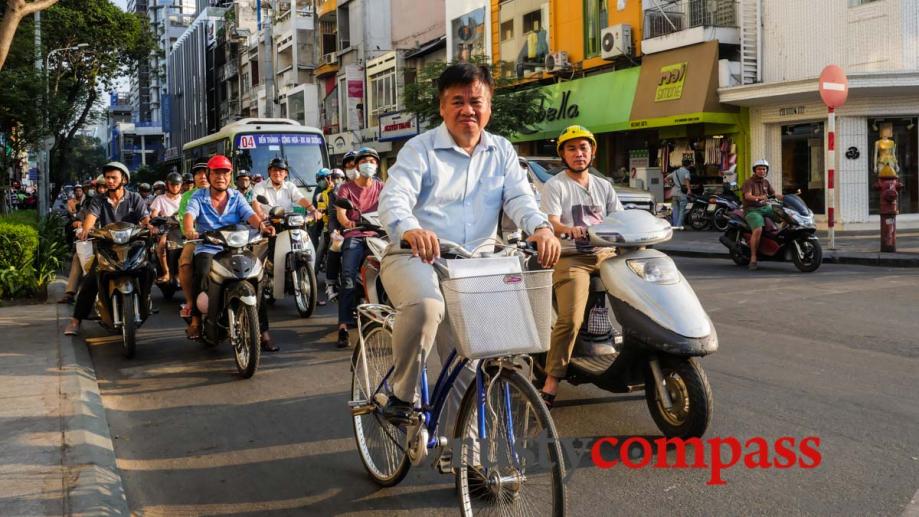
(905, 136)
(802, 163)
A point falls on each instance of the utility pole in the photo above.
(42, 159)
(269, 69)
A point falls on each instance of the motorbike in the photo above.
(794, 238)
(229, 297)
(371, 283)
(664, 331)
(174, 243)
(696, 213)
(293, 262)
(724, 204)
(124, 277)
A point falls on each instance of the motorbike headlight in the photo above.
(659, 270)
(610, 236)
(803, 220)
(236, 239)
(295, 220)
(121, 236)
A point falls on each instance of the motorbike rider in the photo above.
(364, 195)
(349, 164)
(159, 187)
(213, 208)
(244, 184)
(117, 205)
(186, 260)
(92, 190)
(146, 193)
(333, 259)
(449, 182)
(574, 199)
(281, 192)
(188, 179)
(323, 182)
(680, 179)
(75, 203)
(166, 205)
(756, 192)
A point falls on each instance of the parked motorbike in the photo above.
(664, 327)
(229, 298)
(370, 279)
(124, 277)
(174, 243)
(293, 269)
(724, 203)
(792, 239)
(696, 213)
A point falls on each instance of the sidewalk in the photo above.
(56, 455)
(854, 247)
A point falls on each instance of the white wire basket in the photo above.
(499, 315)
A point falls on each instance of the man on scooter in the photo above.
(281, 192)
(213, 208)
(117, 205)
(449, 182)
(574, 199)
(166, 205)
(186, 259)
(756, 191)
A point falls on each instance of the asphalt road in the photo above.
(832, 354)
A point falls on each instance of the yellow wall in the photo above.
(324, 7)
(566, 26)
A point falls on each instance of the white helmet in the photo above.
(760, 163)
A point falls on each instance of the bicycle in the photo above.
(506, 456)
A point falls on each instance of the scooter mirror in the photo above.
(262, 199)
(344, 204)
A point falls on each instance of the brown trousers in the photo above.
(571, 283)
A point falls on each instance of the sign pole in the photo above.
(831, 174)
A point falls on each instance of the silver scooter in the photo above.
(664, 327)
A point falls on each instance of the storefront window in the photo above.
(803, 164)
(595, 18)
(904, 135)
(295, 107)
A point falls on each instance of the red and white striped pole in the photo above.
(831, 174)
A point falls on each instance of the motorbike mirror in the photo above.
(262, 199)
(158, 221)
(344, 204)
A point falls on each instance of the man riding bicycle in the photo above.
(450, 182)
(574, 199)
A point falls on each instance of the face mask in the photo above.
(351, 173)
(323, 184)
(368, 170)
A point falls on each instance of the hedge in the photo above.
(18, 244)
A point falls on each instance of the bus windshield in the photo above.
(303, 153)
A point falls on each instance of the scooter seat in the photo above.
(593, 366)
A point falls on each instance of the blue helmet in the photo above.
(323, 173)
(349, 156)
(364, 152)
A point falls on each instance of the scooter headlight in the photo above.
(804, 220)
(121, 236)
(236, 239)
(659, 270)
(296, 220)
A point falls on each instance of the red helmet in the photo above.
(219, 161)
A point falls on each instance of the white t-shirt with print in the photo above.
(167, 206)
(578, 206)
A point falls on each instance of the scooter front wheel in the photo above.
(305, 290)
(128, 327)
(690, 396)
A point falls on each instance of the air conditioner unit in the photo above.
(330, 59)
(616, 41)
(557, 61)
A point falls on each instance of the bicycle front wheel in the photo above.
(518, 469)
(384, 458)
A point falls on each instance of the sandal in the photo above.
(163, 279)
(547, 398)
(193, 331)
(73, 329)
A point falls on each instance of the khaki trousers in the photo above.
(414, 290)
(76, 274)
(571, 284)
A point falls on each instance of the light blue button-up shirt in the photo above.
(436, 185)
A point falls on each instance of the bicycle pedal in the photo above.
(445, 463)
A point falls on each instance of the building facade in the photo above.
(873, 41)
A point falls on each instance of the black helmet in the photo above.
(243, 173)
(175, 178)
(199, 165)
(144, 187)
(279, 163)
(349, 156)
(188, 178)
(364, 152)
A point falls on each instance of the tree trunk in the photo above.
(16, 10)
(62, 142)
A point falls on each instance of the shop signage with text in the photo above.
(397, 125)
(670, 83)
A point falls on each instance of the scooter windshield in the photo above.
(795, 203)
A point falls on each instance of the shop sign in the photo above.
(340, 142)
(395, 126)
(670, 82)
(792, 110)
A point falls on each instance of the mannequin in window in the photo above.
(885, 153)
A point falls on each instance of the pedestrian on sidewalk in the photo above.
(680, 180)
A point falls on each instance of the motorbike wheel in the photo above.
(128, 327)
(720, 219)
(690, 394)
(697, 219)
(306, 290)
(813, 256)
(168, 289)
(246, 346)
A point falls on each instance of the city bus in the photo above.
(251, 143)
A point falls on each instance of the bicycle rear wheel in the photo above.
(385, 460)
(518, 469)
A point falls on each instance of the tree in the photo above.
(512, 109)
(14, 12)
(85, 160)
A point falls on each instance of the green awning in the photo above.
(601, 103)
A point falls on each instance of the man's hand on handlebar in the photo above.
(576, 232)
(548, 248)
(425, 244)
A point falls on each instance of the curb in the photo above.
(92, 480)
(829, 257)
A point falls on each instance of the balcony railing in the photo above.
(670, 16)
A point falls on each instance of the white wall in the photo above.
(801, 37)
(416, 22)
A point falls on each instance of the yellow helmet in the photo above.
(572, 132)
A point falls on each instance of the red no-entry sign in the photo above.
(834, 86)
